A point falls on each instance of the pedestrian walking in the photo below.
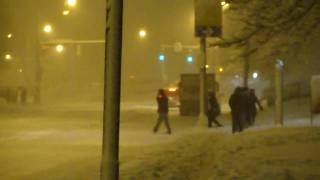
(253, 101)
(163, 110)
(213, 110)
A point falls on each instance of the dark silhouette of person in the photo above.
(253, 100)
(213, 110)
(245, 107)
(163, 110)
(235, 106)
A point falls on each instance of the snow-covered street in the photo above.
(64, 142)
(159, 90)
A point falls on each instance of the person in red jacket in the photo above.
(163, 110)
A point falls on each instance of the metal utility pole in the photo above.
(203, 80)
(208, 23)
(111, 116)
(279, 92)
(38, 65)
(38, 74)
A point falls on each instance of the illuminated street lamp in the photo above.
(71, 3)
(59, 48)
(47, 28)
(8, 57)
(225, 5)
(207, 66)
(142, 33)
(221, 69)
(255, 75)
(66, 12)
(9, 36)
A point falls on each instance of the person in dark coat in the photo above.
(163, 110)
(245, 107)
(253, 100)
(234, 103)
(213, 110)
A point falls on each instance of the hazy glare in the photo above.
(78, 72)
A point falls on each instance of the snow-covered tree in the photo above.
(273, 28)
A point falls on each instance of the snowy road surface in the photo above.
(64, 143)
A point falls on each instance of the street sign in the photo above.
(208, 18)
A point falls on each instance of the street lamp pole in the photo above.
(38, 67)
(111, 115)
(38, 75)
(203, 80)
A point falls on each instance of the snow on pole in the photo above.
(111, 114)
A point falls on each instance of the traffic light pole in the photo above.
(111, 113)
(38, 65)
(203, 81)
(38, 73)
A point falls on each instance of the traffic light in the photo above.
(189, 59)
(255, 75)
(162, 57)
